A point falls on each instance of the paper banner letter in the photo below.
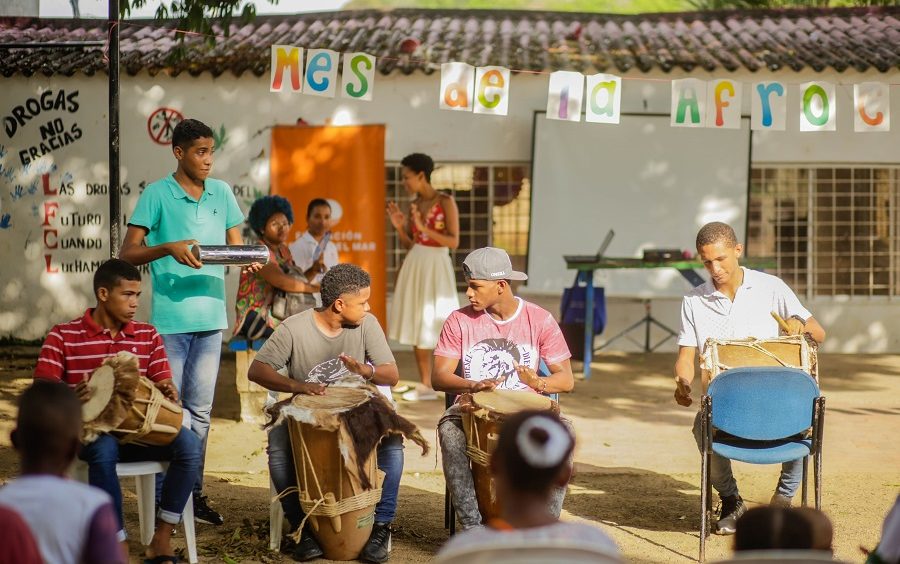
(724, 104)
(565, 95)
(320, 78)
(768, 106)
(817, 106)
(359, 76)
(872, 101)
(286, 58)
(688, 102)
(604, 98)
(457, 86)
(491, 90)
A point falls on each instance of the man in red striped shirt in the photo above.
(71, 353)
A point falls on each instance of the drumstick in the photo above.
(781, 323)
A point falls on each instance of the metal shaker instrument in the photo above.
(234, 255)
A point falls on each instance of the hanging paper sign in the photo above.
(457, 86)
(688, 102)
(768, 106)
(565, 95)
(724, 103)
(320, 78)
(491, 90)
(604, 98)
(358, 79)
(872, 101)
(817, 106)
(286, 59)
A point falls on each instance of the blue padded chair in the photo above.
(760, 415)
(450, 399)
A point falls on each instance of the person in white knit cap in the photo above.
(533, 458)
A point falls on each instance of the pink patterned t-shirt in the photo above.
(489, 348)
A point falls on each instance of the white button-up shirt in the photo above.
(706, 312)
(303, 249)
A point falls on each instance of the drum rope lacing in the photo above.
(475, 453)
(153, 406)
(755, 346)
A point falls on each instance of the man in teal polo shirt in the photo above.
(188, 306)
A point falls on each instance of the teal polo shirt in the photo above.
(186, 300)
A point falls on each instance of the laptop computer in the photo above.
(600, 252)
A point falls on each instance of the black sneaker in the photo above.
(308, 548)
(732, 508)
(378, 549)
(204, 513)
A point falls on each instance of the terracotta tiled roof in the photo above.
(409, 40)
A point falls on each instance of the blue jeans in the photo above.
(195, 358)
(183, 456)
(281, 469)
(723, 481)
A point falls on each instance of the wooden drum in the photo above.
(482, 428)
(128, 406)
(339, 500)
(792, 351)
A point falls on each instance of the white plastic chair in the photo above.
(276, 519)
(144, 474)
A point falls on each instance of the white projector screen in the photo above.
(654, 184)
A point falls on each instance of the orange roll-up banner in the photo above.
(344, 165)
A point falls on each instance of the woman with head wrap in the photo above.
(270, 218)
(532, 458)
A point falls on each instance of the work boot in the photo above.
(732, 508)
(378, 549)
(779, 500)
(308, 548)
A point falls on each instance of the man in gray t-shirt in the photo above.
(317, 347)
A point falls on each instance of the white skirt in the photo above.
(424, 296)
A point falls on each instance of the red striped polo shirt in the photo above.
(73, 350)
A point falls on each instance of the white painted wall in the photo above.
(20, 8)
(31, 299)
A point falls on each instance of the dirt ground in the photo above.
(638, 470)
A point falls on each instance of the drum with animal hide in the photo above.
(334, 438)
(482, 429)
(792, 351)
(128, 406)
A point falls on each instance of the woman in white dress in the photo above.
(425, 293)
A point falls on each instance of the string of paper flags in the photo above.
(714, 104)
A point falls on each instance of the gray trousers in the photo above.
(458, 473)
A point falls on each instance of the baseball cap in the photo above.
(490, 263)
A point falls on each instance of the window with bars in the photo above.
(494, 203)
(833, 230)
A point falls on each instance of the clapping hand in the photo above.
(417, 217)
(398, 218)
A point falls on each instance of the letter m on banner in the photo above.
(286, 59)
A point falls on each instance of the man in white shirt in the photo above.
(737, 302)
(313, 252)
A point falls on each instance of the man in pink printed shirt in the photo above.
(501, 340)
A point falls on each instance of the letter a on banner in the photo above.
(872, 107)
(286, 59)
(359, 76)
(768, 106)
(320, 78)
(491, 90)
(817, 106)
(457, 86)
(724, 104)
(565, 95)
(604, 98)
(688, 102)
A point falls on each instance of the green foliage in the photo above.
(196, 15)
